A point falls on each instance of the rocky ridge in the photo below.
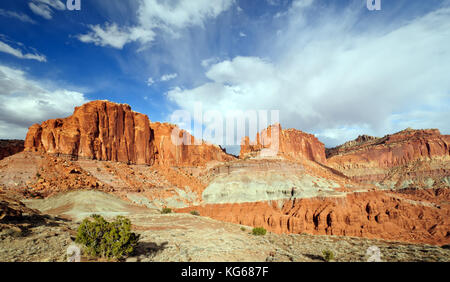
(409, 157)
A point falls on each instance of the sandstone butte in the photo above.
(287, 143)
(106, 131)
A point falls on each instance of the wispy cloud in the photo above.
(168, 77)
(44, 8)
(5, 48)
(114, 36)
(19, 16)
(164, 78)
(153, 16)
(340, 81)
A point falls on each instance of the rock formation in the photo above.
(405, 155)
(285, 181)
(187, 153)
(361, 140)
(107, 131)
(287, 143)
(10, 147)
(371, 215)
(396, 149)
(98, 130)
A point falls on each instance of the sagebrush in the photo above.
(166, 210)
(259, 231)
(196, 213)
(328, 255)
(107, 239)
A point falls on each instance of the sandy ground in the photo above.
(185, 237)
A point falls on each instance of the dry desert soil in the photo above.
(187, 238)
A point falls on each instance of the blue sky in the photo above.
(332, 68)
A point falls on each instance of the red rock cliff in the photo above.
(108, 131)
(391, 216)
(186, 154)
(396, 149)
(424, 153)
(292, 143)
(98, 130)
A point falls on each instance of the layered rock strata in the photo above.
(107, 131)
(409, 157)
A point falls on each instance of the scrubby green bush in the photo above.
(243, 229)
(107, 239)
(166, 211)
(259, 231)
(196, 213)
(328, 255)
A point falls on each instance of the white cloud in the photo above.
(55, 4)
(241, 34)
(19, 54)
(168, 77)
(164, 78)
(44, 8)
(168, 16)
(207, 62)
(150, 81)
(21, 17)
(41, 10)
(24, 101)
(302, 3)
(328, 79)
(182, 13)
(116, 37)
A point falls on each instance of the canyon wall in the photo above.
(107, 131)
(10, 147)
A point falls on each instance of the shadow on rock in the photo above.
(314, 257)
(149, 249)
